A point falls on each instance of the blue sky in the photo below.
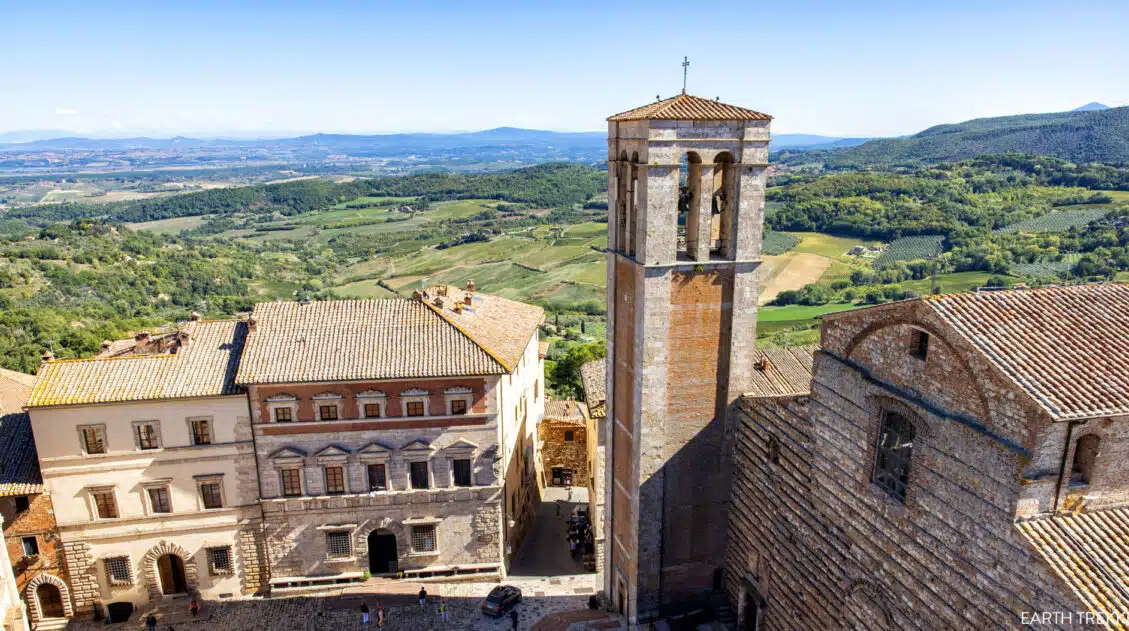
(850, 68)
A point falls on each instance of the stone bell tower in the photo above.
(686, 181)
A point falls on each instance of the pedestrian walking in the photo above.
(379, 616)
(558, 508)
(513, 618)
(151, 622)
(422, 597)
(570, 493)
(443, 615)
(194, 608)
(364, 613)
(572, 547)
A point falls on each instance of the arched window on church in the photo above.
(893, 454)
(689, 205)
(721, 222)
(1085, 454)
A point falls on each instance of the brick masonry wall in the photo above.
(37, 521)
(823, 546)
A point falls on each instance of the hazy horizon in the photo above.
(862, 69)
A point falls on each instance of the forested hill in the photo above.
(544, 186)
(1086, 136)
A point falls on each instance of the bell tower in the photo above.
(686, 182)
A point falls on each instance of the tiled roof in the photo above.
(566, 411)
(14, 390)
(342, 340)
(205, 366)
(687, 107)
(1090, 553)
(593, 376)
(1067, 347)
(782, 372)
(19, 462)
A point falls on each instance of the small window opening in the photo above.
(919, 345)
(1085, 454)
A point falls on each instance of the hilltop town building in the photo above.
(682, 286)
(593, 377)
(954, 462)
(147, 451)
(564, 441)
(394, 436)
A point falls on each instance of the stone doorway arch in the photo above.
(383, 552)
(156, 561)
(55, 592)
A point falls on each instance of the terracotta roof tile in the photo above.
(15, 387)
(342, 340)
(782, 372)
(564, 411)
(1067, 347)
(206, 366)
(1089, 552)
(593, 376)
(687, 107)
(19, 462)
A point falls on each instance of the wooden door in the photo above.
(171, 570)
(50, 601)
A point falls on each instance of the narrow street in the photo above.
(544, 553)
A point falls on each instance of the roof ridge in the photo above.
(467, 335)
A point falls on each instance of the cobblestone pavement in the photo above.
(544, 552)
(540, 597)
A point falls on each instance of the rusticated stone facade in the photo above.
(816, 543)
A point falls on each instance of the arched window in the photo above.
(632, 205)
(893, 454)
(721, 225)
(1085, 453)
(689, 206)
(621, 177)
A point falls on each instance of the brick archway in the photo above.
(32, 598)
(152, 576)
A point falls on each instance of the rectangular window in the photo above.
(570, 436)
(458, 406)
(919, 345)
(117, 571)
(334, 480)
(105, 504)
(291, 483)
(23, 503)
(159, 500)
(419, 474)
(327, 412)
(219, 560)
(93, 440)
(147, 436)
(892, 456)
(377, 477)
(201, 432)
(372, 410)
(423, 538)
(338, 545)
(211, 494)
(283, 415)
(31, 546)
(415, 408)
(462, 472)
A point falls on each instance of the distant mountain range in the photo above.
(1091, 106)
(1090, 134)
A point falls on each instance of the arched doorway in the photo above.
(170, 568)
(382, 552)
(50, 601)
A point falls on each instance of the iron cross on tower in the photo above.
(685, 68)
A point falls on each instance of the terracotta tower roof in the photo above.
(689, 107)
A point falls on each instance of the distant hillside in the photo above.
(1087, 136)
(1091, 106)
(781, 142)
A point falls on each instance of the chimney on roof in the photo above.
(439, 301)
(440, 290)
(470, 286)
(469, 300)
(141, 338)
(251, 322)
(194, 317)
(417, 295)
(763, 364)
(106, 344)
(48, 355)
(458, 307)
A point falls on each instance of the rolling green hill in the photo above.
(1086, 136)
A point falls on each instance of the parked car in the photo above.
(501, 600)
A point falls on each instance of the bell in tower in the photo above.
(686, 182)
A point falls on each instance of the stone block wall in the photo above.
(81, 569)
(557, 452)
